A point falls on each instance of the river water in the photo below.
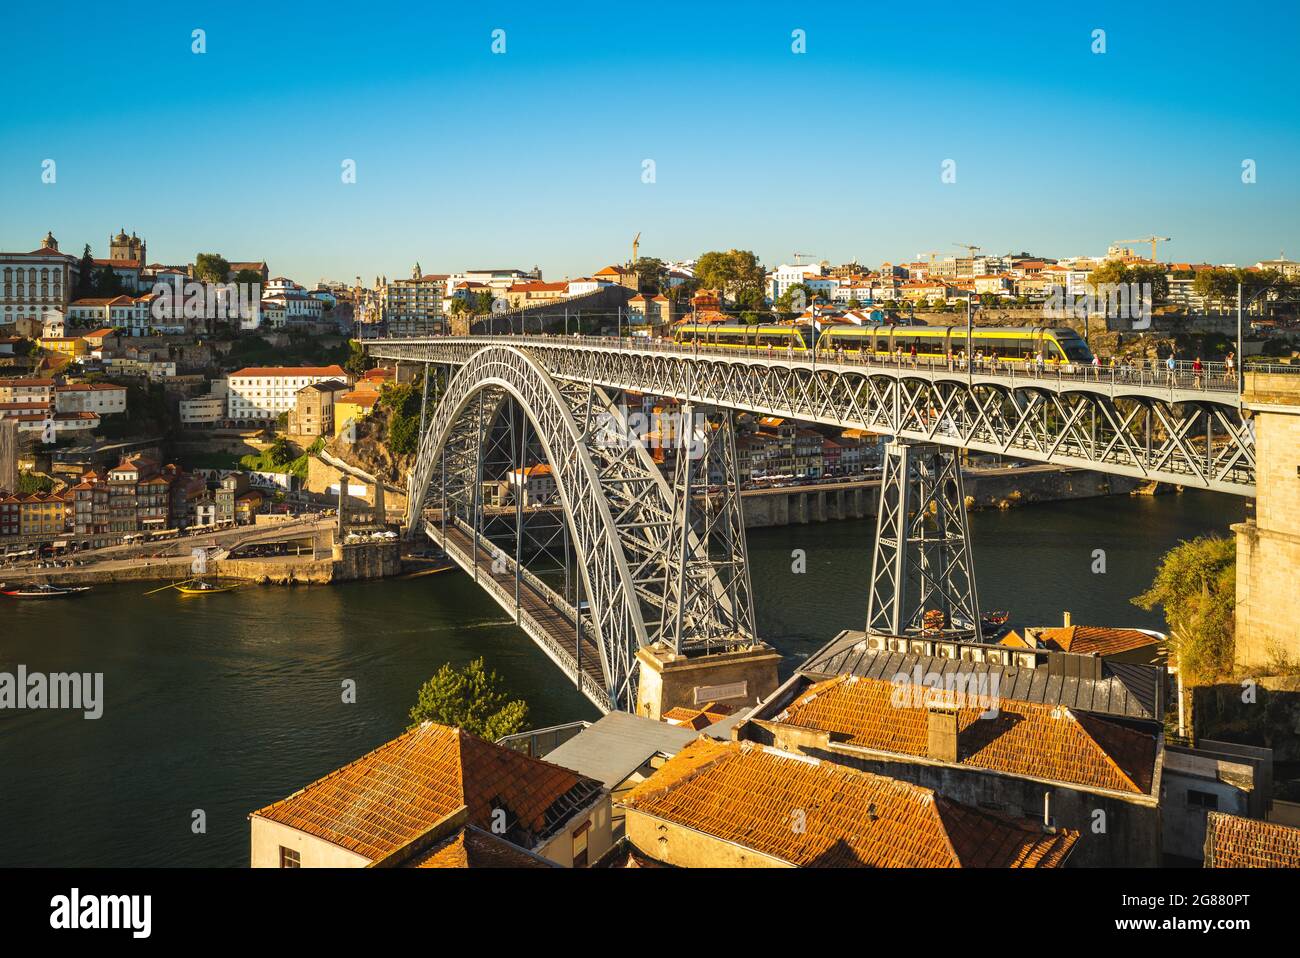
(222, 704)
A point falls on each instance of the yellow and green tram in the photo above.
(1016, 344)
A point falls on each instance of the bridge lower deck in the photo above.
(544, 615)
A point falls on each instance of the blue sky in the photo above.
(466, 159)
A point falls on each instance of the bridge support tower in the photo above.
(922, 574)
(1268, 545)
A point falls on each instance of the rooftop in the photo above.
(472, 847)
(1123, 691)
(1235, 842)
(1022, 738)
(390, 796)
(744, 793)
(617, 745)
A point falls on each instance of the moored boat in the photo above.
(202, 587)
(44, 591)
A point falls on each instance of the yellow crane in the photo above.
(970, 248)
(932, 253)
(1153, 240)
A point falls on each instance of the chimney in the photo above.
(1067, 620)
(1047, 810)
(943, 735)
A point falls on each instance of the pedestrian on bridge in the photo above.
(1197, 370)
(1229, 366)
(1170, 366)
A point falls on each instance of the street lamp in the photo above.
(1241, 366)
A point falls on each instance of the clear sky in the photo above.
(470, 159)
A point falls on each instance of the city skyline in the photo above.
(837, 151)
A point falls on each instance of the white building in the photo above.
(104, 399)
(785, 276)
(132, 314)
(202, 410)
(263, 392)
(537, 481)
(38, 284)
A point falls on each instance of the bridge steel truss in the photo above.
(1187, 437)
(617, 506)
(922, 562)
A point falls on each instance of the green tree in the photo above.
(733, 272)
(357, 362)
(1196, 588)
(651, 275)
(211, 268)
(246, 276)
(86, 275)
(107, 283)
(786, 302)
(472, 699)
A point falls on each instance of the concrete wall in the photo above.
(1001, 490)
(269, 836)
(1268, 546)
(600, 836)
(687, 848)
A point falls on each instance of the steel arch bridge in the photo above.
(1183, 432)
(617, 506)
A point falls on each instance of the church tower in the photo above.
(126, 247)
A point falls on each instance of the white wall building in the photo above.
(105, 399)
(263, 392)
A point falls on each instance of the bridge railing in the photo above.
(1185, 375)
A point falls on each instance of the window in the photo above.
(289, 858)
(580, 845)
(1206, 801)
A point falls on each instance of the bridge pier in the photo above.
(1268, 546)
(921, 567)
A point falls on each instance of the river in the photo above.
(224, 703)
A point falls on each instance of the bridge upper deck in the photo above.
(1212, 382)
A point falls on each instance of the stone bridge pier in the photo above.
(1268, 546)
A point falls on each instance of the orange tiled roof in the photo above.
(1025, 738)
(473, 848)
(1093, 640)
(330, 372)
(1235, 842)
(699, 718)
(390, 796)
(744, 793)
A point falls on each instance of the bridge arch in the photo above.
(616, 504)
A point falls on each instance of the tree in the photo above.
(1196, 587)
(651, 275)
(211, 268)
(788, 302)
(86, 275)
(733, 272)
(107, 283)
(472, 699)
(248, 277)
(1114, 272)
(358, 361)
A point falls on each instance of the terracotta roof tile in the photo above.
(390, 796)
(744, 793)
(1024, 738)
(474, 848)
(1235, 842)
(1093, 640)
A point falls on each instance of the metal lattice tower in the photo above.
(708, 600)
(922, 560)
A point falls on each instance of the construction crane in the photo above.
(1153, 240)
(971, 248)
(799, 256)
(932, 253)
